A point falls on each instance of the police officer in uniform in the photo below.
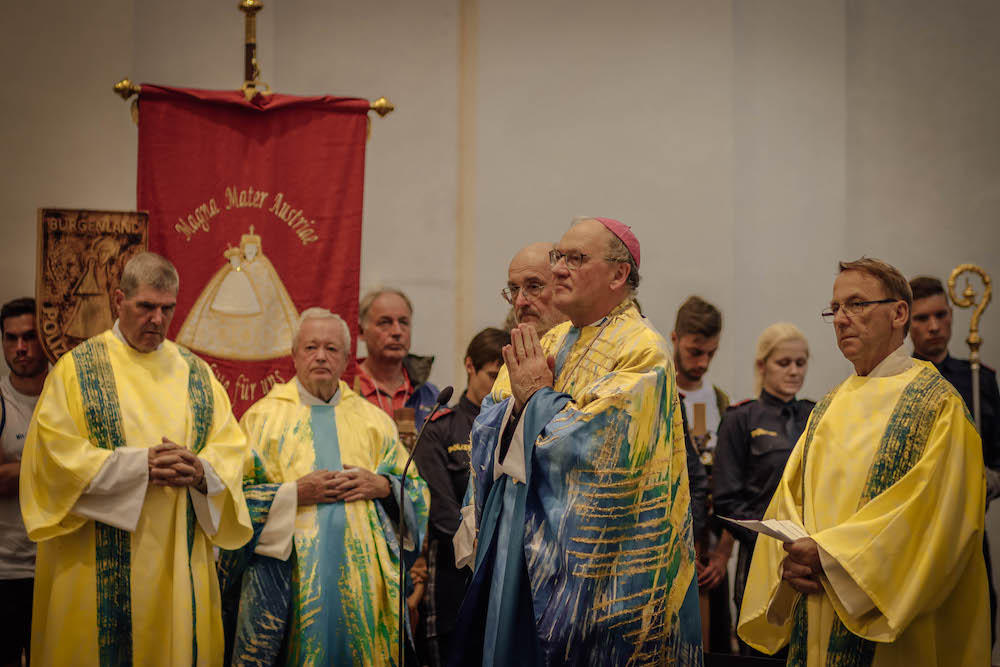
(443, 461)
(756, 438)
(930, 331)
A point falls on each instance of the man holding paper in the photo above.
(887, 481)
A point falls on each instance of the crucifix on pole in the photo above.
(252, 85)
(251, 68)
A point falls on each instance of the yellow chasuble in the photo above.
(888, 480)
(148, 397)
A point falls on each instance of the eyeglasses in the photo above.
(531, 291)
(574, 259)
(851, 309)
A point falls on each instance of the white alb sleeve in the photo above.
(513, 463)
(208, 505)
(116, 494)
(464, 541)
(855, 600)
(276, 537)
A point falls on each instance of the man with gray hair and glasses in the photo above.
(324, 483)
(131, 473)
(530, 290)
(887, 482)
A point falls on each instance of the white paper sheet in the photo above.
(786, 531)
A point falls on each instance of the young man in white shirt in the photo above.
(695, 340)
(18, 394)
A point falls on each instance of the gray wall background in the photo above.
(751, 145)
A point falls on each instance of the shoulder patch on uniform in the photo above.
(441, 413)
(460, 447)
(757, 432)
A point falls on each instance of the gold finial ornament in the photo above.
(251, 6)
(127, 89)
(250, 9)
(252, 85)
(968, 300)
(382, 107)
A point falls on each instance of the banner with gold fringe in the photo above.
(258, 203)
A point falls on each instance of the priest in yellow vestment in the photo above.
(319, 584)
(131, 471)
(887, 480)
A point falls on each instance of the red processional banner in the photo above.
(258, 205)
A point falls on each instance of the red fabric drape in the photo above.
(211, 165)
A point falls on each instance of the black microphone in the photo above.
(442, 399)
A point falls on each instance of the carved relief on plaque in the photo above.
(81, 255)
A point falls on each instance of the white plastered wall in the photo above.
(750, 145)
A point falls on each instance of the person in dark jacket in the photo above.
(443, 461)
(930, 332)
(757, 436)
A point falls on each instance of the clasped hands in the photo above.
(347, 485)
(527, 365)
(801, 567)
(173, 465)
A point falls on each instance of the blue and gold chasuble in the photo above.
(591, 561)
(334, 601)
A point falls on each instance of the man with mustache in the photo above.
(695, 339)
(581, 500)
(529, 288)
(887, 482)
(19, 392)
(930, 333)
(318, 584)
(132, 471)
(390, 377)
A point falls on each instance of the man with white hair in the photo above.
(131, 471)
(324, 483)
(579, 481)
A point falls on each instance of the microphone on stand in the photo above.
(442, 399)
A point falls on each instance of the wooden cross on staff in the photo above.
(251, 71)
(252, 85)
